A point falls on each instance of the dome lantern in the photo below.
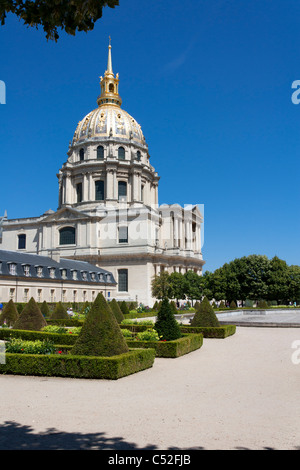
(109, 85)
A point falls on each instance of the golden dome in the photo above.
(109, 120)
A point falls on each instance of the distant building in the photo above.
(23, 276)
(108, 212)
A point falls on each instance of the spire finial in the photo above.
(109, 61)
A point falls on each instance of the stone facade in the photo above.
(108, 212)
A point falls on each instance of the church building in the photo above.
(108, 212)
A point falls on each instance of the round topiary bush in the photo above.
(9, 315)
(100, 334)
(166, 324)
(205, 315)
(31, 317)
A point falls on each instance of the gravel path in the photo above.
(238, 393)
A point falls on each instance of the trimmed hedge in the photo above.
(30, 335)
(89, 367)
(211, 332)
(171, 349)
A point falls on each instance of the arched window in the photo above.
(99, 190)
(111, 88)
(67, 236)
(122, 189)
(121, 153)
(21, 242)
(100, 152)
(138, 155)
(81, 154)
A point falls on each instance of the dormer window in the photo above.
(64, 274)
(26, 270)
(52, 272)
(92, 276)
(84, 275)
(12, 269)
(101, 278)
(74, 275)
(39, 271)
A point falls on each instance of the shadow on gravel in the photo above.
(14, 436)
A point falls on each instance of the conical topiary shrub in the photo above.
(31, 317)
(205, 315)
(59, 313)
(45, 309)
(124, 308)
(10, 314)
(166, 324)
(116, 310)
(100, 334)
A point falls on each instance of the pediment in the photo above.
(67, 214)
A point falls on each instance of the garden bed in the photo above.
(212, 331)
(171, 349)
(89, 367)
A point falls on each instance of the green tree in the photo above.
(100, 334)
(45, 309)
(278, 281)
(178, 285)
(166, 325)
(10, 314)
(68, 15)
(31, 317)
(194, 285)
(205, 315)
(59, 312)
(115, 308)
(294, 283)
(162, 287)
(124, 308)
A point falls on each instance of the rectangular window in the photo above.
(123, 234)
(64, 295)
(52, 295)
(26, 293)
(79, 192)
(21, 242)
(99, 190)
(39, 295)
(123, 280)
(12, 294)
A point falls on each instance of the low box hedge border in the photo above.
(171, 349)
(88, 367)
(30, 335)
(211, 332)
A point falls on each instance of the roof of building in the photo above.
(37, 266)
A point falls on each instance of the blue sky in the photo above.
(210, 82)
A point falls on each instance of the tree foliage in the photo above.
(100, 334)
(205, 315)
(31, 317)
(68, 15)
(10, 314)
(253, 277)
(166, 325)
